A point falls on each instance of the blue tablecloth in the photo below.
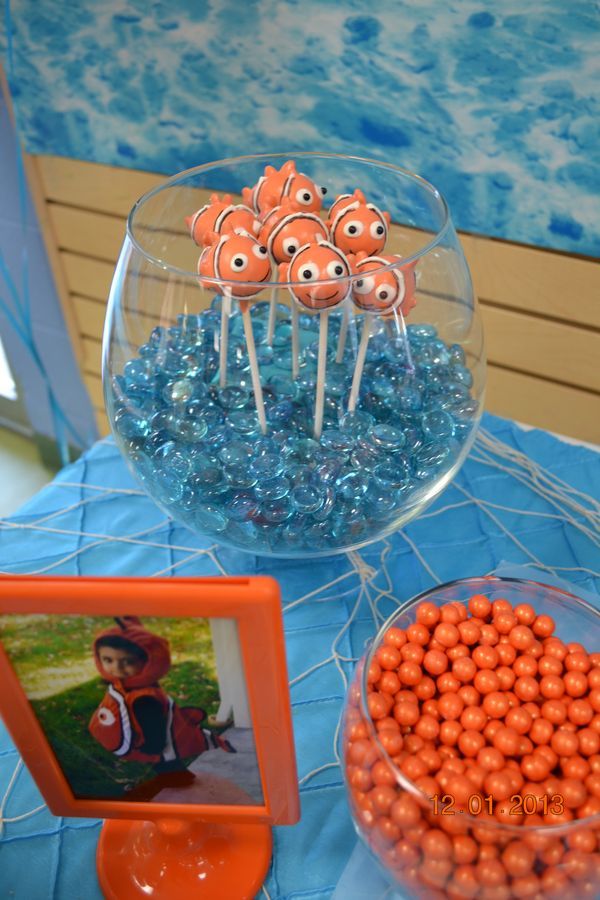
(522, 496)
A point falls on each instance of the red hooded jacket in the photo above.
(136, 711)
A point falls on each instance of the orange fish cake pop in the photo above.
(220, 217)
(381, 292)
(284, 230)
(314, 266)
(234, 258)
(356, 225)
(276, 185)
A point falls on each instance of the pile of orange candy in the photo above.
(495, 722)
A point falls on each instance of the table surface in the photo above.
(522, 496)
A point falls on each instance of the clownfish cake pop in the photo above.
(233, 258)
(317, 279)
(276, 185)
(284, 230)
(385, 293)
(220, 217)
(312, 269)
(355, 225)
(380, 292)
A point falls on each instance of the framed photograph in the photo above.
(136, 698)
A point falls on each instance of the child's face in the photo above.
(119, 663)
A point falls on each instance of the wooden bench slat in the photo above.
(543, 347)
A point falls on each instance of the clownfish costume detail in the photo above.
(380, 292)
(314, 266)
(220, 217)
(276, 185)
(285, 230)
(357, 226)
(233, 258)
(136, 719)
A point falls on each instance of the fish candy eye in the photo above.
(304, 197)
(239, 262)
(386, 292)
(377, 230)
(323, 190)
(308, 272)
(364, 285)
(290, 248)
(259, 250)
(353, 228)
(335, 269)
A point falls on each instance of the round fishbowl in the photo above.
(293, 358)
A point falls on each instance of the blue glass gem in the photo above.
(334, 439)
(272, 488)
(357, 422)
(242, 507)
(386, 437)
(267, 465)
(210, 519)
(240, 477)
(244, 422)
(394, 475)
(130, 426)
(297, 474)
(437, 425)
(236, 453)
(307, 498)
(276, 510)
(327, 505)
(233, 398)
(300, 449)
(352, 485)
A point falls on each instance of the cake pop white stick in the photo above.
(360, 363)
(343, 333)
(401, 326)
(255, 374)
(224, 343)
(272, 316)
(295, 341)
(321, 371)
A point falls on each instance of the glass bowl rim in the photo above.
(270, 157)
(407, 785)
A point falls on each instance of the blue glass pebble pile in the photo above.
(199, 452)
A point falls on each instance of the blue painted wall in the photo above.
(496, 103)
(23, 260)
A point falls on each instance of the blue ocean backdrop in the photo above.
(496, 103)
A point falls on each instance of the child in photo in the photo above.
(137, 720)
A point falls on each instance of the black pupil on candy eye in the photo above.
(238, 262)
(323, 191)
(306, 196)
(306, 274)
(359, 283)
(262, 250)
(380, 229)
(383, 295)
(291, 248)
(352, 229)
(339, 270)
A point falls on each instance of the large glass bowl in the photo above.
(467, 856)
(349, 424)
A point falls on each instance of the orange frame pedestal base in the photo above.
(173, 858)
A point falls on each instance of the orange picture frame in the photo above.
(253, 603)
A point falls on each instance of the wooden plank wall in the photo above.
(541, 310)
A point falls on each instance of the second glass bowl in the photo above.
(434, 845)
